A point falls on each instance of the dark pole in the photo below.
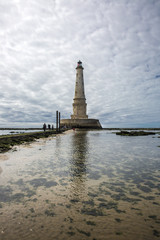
(59, 120)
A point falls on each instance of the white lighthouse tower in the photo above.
(79, 104)
(79, 118)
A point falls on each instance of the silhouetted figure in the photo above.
(49, 126)
(44, 127)
(52, 127)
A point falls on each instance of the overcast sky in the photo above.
(118, 42)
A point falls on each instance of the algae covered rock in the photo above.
(134, 133)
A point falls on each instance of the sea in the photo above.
(93, 185)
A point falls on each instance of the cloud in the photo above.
(117, 41)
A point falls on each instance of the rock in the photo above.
(134, 133)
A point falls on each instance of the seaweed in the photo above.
(92, 212)
(88, 234)
(150, 184)
(133, 200)
(132, 208)
(91, 223)
(89, 202)
(102, 200)
(144, 188)
(49, 213)
(68, 206)
(34, 199)
(118, 220)
(120, 211)
(156, 233)
(117, 197)
(49, 184)
(153, 217)
(17, 197)
(92, 194)
(108, 205)
(32, 210)
(70, 219)
(38, 182)
(6, 195)
(134, 193)
(71, 233)
(119, 233)
(148, 197)
(155, 203)
(30, 193)
(74, 200)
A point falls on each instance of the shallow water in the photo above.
(11, 132)
(81, 185)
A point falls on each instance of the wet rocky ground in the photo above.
(135, 133)
(8, 141)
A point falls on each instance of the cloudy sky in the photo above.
(118, 42)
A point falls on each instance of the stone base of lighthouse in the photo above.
(81, 123)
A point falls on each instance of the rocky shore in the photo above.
(8, 141)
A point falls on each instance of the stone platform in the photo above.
(81, 123)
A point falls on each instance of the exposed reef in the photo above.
(134, 133)
(8, 141)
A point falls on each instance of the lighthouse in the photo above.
(79, 118)
(79, 101)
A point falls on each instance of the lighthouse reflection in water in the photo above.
(78, 164)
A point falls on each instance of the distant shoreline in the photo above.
(21, 129)
(136, 128)
(131, 128)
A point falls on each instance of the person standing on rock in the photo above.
(44, 127)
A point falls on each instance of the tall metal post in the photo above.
(57, 121)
